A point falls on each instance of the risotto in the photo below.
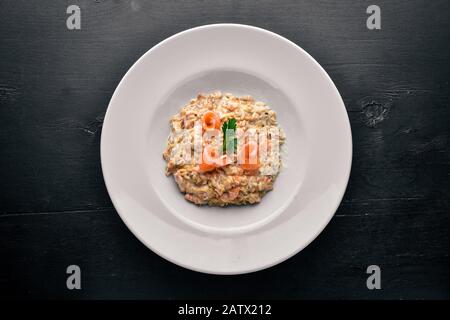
(224, 149)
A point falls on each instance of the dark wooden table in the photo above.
(55, 85)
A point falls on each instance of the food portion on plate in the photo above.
(224, 150)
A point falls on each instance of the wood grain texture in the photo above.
(116, 265)
(55, 86)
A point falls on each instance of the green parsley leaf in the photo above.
(232, 139)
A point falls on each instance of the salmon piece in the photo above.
(249, 158)
(210, 120)
(211, 159)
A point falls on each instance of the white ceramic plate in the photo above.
(242, 60)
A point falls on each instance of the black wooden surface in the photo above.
(55, 86)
